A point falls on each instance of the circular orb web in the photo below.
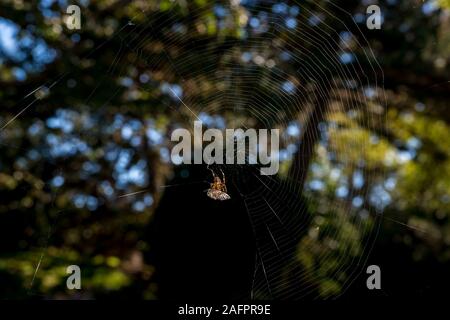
(302, 68)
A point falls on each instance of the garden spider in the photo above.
(218, 189)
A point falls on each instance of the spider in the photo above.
(218, 189)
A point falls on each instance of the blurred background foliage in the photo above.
(93, 123)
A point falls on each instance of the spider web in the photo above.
(244, 74)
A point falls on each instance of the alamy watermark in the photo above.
(237, 147)
(74, 280)
(374, 280)
(73, 17)
(374, 19)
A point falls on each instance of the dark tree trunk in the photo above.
(308, 140)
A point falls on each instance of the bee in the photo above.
(218, 189)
